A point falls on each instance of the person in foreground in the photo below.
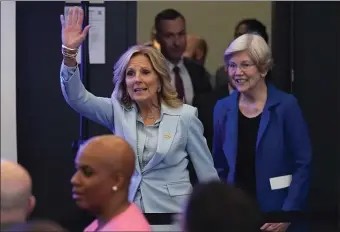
(37, 226)
(17, 201)
(261, 142)
(217, 206)
(145, 111)
(104, 166)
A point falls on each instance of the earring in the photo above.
(159, 90)
(114, 188)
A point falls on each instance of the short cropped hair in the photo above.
(167, 14)
(254, 26)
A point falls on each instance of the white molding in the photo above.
(8, 81)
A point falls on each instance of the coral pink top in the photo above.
(132, 219)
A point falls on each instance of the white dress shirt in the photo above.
(187, 84)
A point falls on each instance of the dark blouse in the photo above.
(245, 162)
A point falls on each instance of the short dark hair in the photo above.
(217, 206)
(254, 26)
(167, 14)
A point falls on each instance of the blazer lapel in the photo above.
(130, 132)
(272, 101)
(231, 140)
(263, 125)
(166, 134)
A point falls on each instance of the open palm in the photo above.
(72, 34)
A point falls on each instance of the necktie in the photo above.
(179, 84)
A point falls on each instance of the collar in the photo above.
(165, 109)
(180, 65)
(274, 97)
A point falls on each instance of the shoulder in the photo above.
(286, 100)
(134, 213)
(223, 106)
(120, 108)
(190, 64)
(188, 111)
(183, 111)
(225, 103)
(92, 226)
(115, 101)
(289, 100)
(290, 107)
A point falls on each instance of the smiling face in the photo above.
(141, 79)
(243, 72)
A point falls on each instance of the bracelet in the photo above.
(67, 48)
(69, 52)
(70, 56)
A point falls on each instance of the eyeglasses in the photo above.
(244, 66)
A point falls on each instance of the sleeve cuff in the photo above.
(67, 72)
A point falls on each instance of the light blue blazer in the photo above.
(164, 182)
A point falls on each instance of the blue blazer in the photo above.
(164, 182)
(283, 150)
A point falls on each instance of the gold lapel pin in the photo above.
(167, 135)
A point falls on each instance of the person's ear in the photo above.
(198, 54)
(119, 181)
(264, 74)
(31, 204)
(157, 36)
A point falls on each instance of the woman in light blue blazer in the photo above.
(145, 111)
(261, 142)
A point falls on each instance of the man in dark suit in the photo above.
(205, 104)
(188, 76)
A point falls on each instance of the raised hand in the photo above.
(72, 34)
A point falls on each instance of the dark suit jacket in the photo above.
(200, 82)
(221, 77)
(205, 104)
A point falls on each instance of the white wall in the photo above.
(8, 82)
(214, 21)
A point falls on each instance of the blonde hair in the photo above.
(256, 47)
(167, 93)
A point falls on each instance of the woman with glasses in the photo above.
(261, 142)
